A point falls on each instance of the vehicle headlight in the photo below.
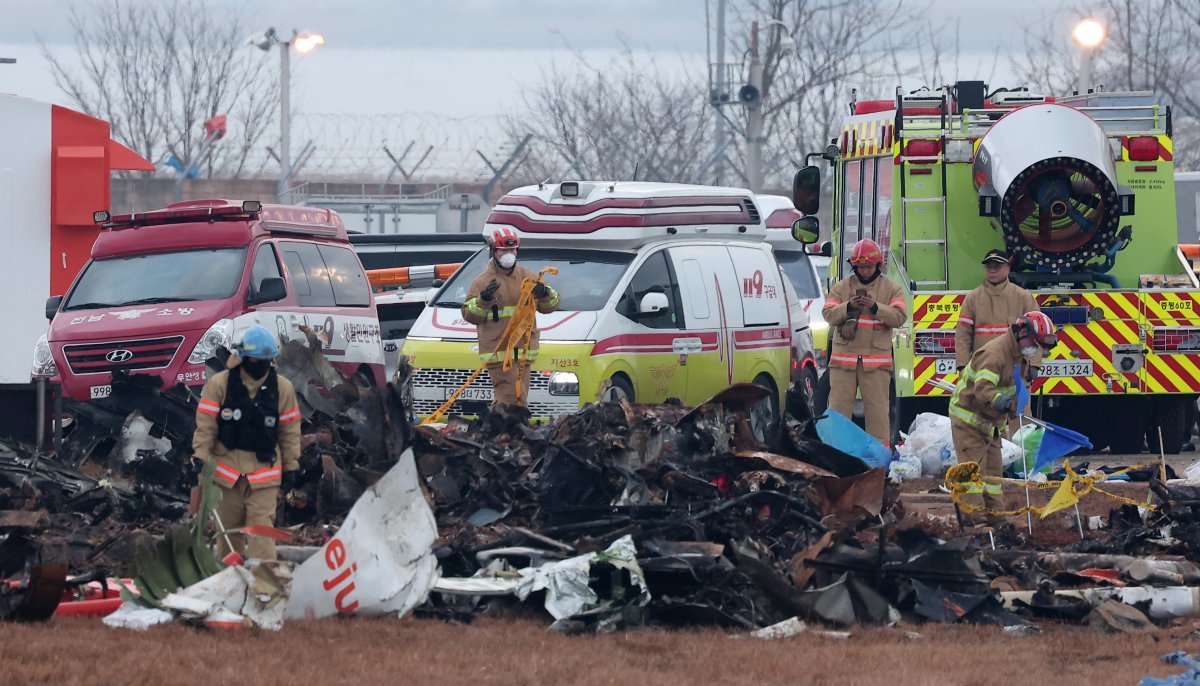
(43, 359)
(564, 383)
(219, 334)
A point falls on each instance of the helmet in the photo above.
(257, 343)
(1038, 327)
(866, 252)
(503, 238)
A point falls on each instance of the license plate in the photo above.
(1051, 368)
(471, 394)
(101, 391)
(944, 365)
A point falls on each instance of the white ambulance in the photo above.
(666, 291)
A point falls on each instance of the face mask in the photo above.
(256, 368)
(507, 260)
(1029, 351)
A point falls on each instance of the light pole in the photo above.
(752, 96)
(304, 43)
(1089, 34)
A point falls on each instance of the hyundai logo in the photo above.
(119, 356)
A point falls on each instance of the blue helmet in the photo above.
(258, 343)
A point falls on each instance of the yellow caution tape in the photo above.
(966, 476)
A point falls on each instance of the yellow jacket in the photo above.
(872, 343)
(233, 464)
(491, 318)
(988, 312)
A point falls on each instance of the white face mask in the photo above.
(507, 260)
(1030, 351)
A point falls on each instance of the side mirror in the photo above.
(806, 230)
(806, 190)
(270, 290)
(52, 306)
(653, 303)
(438, 283)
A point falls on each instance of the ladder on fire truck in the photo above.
(915, 160)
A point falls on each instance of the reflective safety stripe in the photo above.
(474, 308)
(868, 361)
(897, 303)
(974, 488)
(830, 302)
(226, 473)
(265, 475)
(991, 330)
(209, 407)
(529, 355)
(291, 415)
(870, 323)
(966, 320)
(992, 488)
(988, 375)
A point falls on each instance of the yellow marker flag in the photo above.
(1064, 497)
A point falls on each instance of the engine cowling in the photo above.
(1045, 176)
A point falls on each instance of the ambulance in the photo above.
(666, 291)
(801, 267)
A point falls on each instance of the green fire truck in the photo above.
(1080, 190)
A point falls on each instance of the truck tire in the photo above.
(1129, 437)
(1169, 416)
(619, 388)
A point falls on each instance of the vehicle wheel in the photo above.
(820, 401)
(1129, 437)
(764, 416)
(619, 389)
(808, 383)
(1169, 417)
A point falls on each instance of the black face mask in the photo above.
(256, 368)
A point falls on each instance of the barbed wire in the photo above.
(348, 144)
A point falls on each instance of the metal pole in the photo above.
(754, 118)
(719, 88)
(58, 410)
(1086, 57)
(462, 217)
(41, 414)
(285, 121)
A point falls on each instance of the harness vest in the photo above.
(250, 424)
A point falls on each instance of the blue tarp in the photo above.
(836, 430)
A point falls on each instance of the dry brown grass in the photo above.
(521, 651)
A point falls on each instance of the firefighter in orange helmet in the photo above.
(862, 310)
(985, 400)
(491, 302)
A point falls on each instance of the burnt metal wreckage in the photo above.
(616, 515)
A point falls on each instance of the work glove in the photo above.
(288, 482)
(489, 293)
(540, 291)
(1002, 403)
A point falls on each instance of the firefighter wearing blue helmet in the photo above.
(248, 422)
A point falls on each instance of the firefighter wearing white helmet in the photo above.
(862, 310)
(491, 301)
(248, 421)
(985, 400)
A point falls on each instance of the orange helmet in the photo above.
(504, 238)
(866, 252)
(1038, 327)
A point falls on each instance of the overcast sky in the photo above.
(462, 59)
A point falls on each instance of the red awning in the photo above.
(121, 157)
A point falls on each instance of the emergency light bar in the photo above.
(177, 216)
(406, 276)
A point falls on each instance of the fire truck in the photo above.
(1080, 189)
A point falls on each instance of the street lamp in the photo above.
(304, 44)
(1089, 34)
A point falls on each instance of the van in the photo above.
(800, 266)
(666, 291)
(164, 289)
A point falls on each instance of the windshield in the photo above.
(586, 278)
(800, 272)
(158, 277)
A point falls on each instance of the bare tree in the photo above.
(625, 118)
(1152, 45)
(158, 71)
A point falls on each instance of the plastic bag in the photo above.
(836, 430)
(904, 468)
(928, 438)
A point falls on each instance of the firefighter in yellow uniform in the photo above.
(862, 310)
(989, 311)
(985, 399)
(249, 422)
(491, 301)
